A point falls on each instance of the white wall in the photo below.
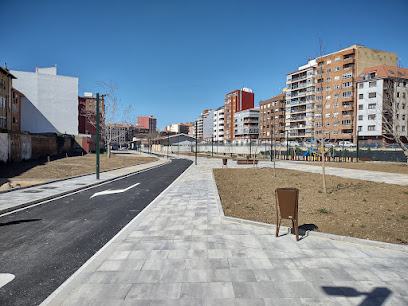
(51, 103)
(365, 112)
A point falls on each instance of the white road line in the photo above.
(113, 191)
(5, 278)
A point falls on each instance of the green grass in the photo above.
(323, 210)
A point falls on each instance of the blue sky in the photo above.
(173, 59)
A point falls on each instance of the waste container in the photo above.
(287, 207)
(224, 162)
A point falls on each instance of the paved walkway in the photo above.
(42, 192)
(179, 251)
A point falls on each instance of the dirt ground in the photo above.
(401, 168)
(355, 208)
(36, 171)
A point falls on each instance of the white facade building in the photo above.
(218, 132)
(51, 101)
(247, 124)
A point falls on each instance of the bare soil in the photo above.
(356, 208)
(36, 171)
(401, 168)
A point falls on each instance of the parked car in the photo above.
(371, 145)
(346, 144)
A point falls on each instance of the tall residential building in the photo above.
(6, 97)
(199, 123)
(218, 132)
(208, 125)
(51, 101)
(87, 114)
(178, 128)
(322, 92)
(272, 117)
(147, 122)
(246, 124)
(382, 93)
(236, 101)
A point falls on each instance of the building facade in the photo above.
(382, 104)
(6, 97)
(17, 98)
(321, 96)
(218, 132)
(51, 101)
(199, 125)
(87, 115)
(272, 118)
(147, 122)
(247, 124)
(236, 101)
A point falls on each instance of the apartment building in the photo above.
(199, 123)
(218, 133)
(87, 114)
(147, 122)
(247, 124)
(123, 134)
(178, 128)
(17, 98)
(236, 101)
(382, 103)
(6, 85)
(321, 94)
(272, 118)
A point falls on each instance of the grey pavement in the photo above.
(180, 251)
(42, 192)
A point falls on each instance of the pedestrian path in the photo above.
(42, 192)
(179, 251)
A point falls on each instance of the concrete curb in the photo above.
(61, 194)
(98, 256)
(64, 179)
(366, 242)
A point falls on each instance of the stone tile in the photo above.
(204, 264)
(249, 263)
(184, 276)
(231, 275)
(121, 265)
(133, 277)
(161, 291)
(207, 290)
(279, 275)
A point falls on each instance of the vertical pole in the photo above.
(357, 143)
(168, 144)
(178, 146)
(196, 142)
(287, 144)
(250, 148)
(212, 146)
(97, 136)
(271, 141)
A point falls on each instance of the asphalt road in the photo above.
(44, 245)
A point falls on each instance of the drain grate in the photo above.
(81, 184)
(47, 187)
(32, 191)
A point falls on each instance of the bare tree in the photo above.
(394, 112)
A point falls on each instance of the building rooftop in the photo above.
(382, 71)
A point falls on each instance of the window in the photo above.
(335, 114)
(335, 123)
(327, 106)
(335, 133)
(347, 75)
(336, 105)
(360, 107)
(319, 99)
(327, 124)
(328, 80)
(371, 106)
(328, 98)
(337, 68)
(372, 94)
(346, 122)
(336, 78)
(371, 127)
(372, 84)
(398, 94)
(371, 117)
(327, 115)
(403, 128)
(318, 116)
(328, 62)
(361, 85)
(360, 117)
(336, 96)
(360, 128)
(347, 94)
(328, 70)
(361, 96)
(403, 95)
(328, 88)
(347, 84)
(337, 59)
(336, 86)
(318, 89)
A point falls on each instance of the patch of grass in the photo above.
(323, 210)
(319, 191)
(249, 207)
(364, 200)
(403, 217)
(362, 226)
(406, 192)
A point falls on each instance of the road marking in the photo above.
(113, 191)
(5, 278)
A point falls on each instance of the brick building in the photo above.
(87, 114)
(6, 97)
(236, 101)
(272, 116)
(147, 122)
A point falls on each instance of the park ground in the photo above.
(31, 172)
(356, 208)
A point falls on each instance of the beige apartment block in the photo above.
(272, 118)
(321, 95)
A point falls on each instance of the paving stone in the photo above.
(154, 291)
(207, 290)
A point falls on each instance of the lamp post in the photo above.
(357, 143)
(168, 144)
(212, 146)
(196, 142)
(271, 140)
(97, 136)
(287, 144)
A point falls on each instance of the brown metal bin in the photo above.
(287, 199)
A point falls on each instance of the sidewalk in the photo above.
(43, 192)
(180, 251)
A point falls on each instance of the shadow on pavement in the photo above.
(19, 221)
(376, 297)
